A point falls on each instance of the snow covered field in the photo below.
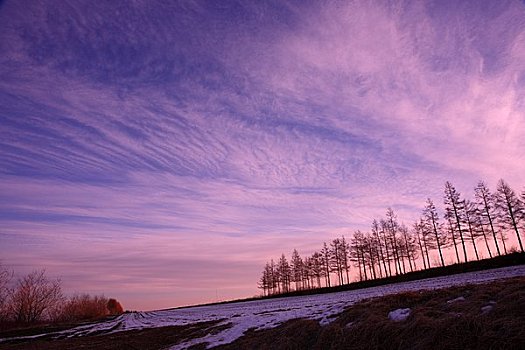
(270, 313)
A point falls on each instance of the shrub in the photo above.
(84, 307)
(5, 278)
(114, 307)
(35, 298)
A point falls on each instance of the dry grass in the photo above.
(434, 323)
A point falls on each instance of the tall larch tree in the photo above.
(510, 209)
(285, 273)
(384, 236)
(431, 223)
(454, 208)
(325, 252)
(345, 251)
(378, 242)
(418, 229)
(469, 221)
(486, 206)
(392, 227)
(297, 270)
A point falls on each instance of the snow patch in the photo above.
(399, 314)
(486, 309)
(456, 300)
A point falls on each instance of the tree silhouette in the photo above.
(35, 298)
(431, 224)
(391, 242)
(510, 209)
(486, 206)
(454, 207)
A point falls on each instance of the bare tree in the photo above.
(388, 256)
(337, 258)
(371, 253)
(285, 273)
(452, 235)
(35, 298)
(392, 230)
(357, 253)
(510, 209)
(345, 251)
(317, 271)
(454, 206)
(377, 240)
(5, 278)
(419, 232)
(266, 281)
(408, 245)
(469, 219)
(297, 270)
(485, 202)
(431, 223)
(478, 224)
(325, 252)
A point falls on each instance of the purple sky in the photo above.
(161, 153)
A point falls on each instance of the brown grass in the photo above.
(433, 323)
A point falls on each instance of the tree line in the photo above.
(34, 298)
(392, 248)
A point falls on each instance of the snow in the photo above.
(455, 300)
(486, 309)
(399, 315)
(269, 313)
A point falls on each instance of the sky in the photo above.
(161, 152)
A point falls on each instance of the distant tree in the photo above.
(392, 230)
(307, 273)
(486, 207)
(316, 262)
(325, 252)
(345, 251)
(386, 244)
(273, 278)
(35, 298)
(266, 281)
(5, 278)
(418, 229)
(114, 307)
(510, 209)
(478, 224)
(454, 207)
(408, 245)
(285, 273)
(297, 270)
(431, 224)
(337, 259)
(379, 247)
(370, 254)
(357, 253)
(452, 235)
(469, 220)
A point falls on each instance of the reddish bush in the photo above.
(114, 307)
(84, 307)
